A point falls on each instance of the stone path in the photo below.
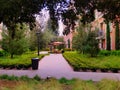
(56, 66)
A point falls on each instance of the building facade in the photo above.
(100, 25)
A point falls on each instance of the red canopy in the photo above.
(57, 43)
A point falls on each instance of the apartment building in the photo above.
(97, 24)
(100, 24)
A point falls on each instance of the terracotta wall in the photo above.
(99, 24)
(68, 37)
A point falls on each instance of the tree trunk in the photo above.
(12, 38)
(108, 36)
(117, 36)
(12, 55)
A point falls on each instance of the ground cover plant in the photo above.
(36, 83)
(103, 63)
(19, 61)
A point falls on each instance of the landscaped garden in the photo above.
(105, 61)
(19, 61)
(36, 83)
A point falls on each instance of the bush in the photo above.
(67, 49)
(37, 78)
(85, 62)
(19, 62)
(3, 53)
(11, 78)
(46, 49)
(108, 53)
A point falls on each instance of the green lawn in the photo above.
(20, 61)
(80, 61)
(25, 83)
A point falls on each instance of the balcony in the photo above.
(101, 35)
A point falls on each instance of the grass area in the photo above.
(25, 83)
(80, 61)
(20, 61)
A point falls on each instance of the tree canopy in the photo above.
(18, 11)
(85, 9)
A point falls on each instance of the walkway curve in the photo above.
(56, 66)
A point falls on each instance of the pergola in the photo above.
(53, 45)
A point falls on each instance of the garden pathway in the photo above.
(56, 66)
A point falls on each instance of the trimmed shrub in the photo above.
(108, 53)
(84, 62)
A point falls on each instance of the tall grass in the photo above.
(25, 83)
(83, 85)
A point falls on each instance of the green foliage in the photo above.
(19, 62)
(48, 35)
(83, 85)
(45, 49)
(108, 44)
(53, 84)
(25, 78)
(37, 78)
(19, 44)
(67, 49)
(107, 84)
(17, 11)
(109, 8)
(67, 82)
(79, 40)
(108, 53)
(91, 46)
(80, 61)
(11, 78)
(3, 53)
(85, 41)
(32, 40)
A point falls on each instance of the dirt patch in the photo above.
(66, 87)
(8, 84)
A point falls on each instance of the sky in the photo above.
(43, 20)
(60, 29)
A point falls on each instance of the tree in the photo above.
(92, 45)
(78, 9)
(85, 41)
(108, 44)
(18, 11)
(19, 44)
(32, 40)
(79, 40)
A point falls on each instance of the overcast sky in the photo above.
(43, 20)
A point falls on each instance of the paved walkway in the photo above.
(56, 66)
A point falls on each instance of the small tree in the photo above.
(108, 44)
(79, 40)
(85, 41)
(91, 46)
(32, 40)
(18, 45)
